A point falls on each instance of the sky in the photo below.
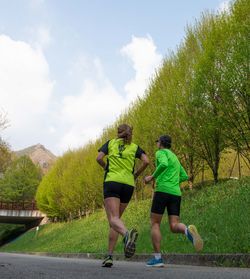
(70, 68)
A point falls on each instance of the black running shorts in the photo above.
(163, 200)
(118, 190)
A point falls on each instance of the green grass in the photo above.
(221, 212)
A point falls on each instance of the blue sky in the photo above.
(68, 68)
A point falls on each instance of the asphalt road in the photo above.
(34, 267)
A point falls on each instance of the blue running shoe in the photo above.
(155, 263)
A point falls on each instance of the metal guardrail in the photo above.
(18, 205)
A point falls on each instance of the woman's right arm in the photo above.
(143, 166)
(100, 160)
(102, 152)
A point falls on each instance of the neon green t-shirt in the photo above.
(120, 161)
(169, 172)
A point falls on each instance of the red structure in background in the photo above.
(18, 205)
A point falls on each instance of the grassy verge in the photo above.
(221, 212)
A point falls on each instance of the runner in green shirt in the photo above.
(168, 175)
(119, 184)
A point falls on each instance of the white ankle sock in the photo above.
(186, 231)
(157, 256)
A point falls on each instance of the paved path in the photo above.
(35, 267)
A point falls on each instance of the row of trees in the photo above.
(200, 96)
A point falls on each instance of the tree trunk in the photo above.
(191, 168)
(215, 174)
(216, 155)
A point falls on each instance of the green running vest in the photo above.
(121, 162)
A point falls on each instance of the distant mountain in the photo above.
(39, 156)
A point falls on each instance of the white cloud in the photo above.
(43, 36)
(224, 7)
(141, 51)
(40, 36)
(87, 113)
(52, 129)
(99, 104)
(36, 116)
(25, 89)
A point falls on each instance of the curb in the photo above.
(225, 260)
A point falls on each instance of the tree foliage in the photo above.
(5, 153)
(5, 156)
(20, 181)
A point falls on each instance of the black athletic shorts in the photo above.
(163, 200)
(118, 190)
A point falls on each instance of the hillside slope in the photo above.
(39, 156)
(221, 213)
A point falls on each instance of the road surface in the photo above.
(35, 267)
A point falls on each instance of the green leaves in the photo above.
(20, 181)
(73, 187)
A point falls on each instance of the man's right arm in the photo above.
(162, 160)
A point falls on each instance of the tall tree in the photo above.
(5, 156)
(20, 181)
(235, 72)
(206, 101)
(5, 153)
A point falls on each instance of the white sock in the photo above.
(186, 231)
(157, 256)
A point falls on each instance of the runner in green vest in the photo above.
(168, 175)
(119, 183)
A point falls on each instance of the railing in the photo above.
(18, 205)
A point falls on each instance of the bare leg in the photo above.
(113, 235)
(175, 225)
(155, 231)
(112, 207)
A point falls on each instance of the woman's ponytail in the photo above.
(124, 131)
